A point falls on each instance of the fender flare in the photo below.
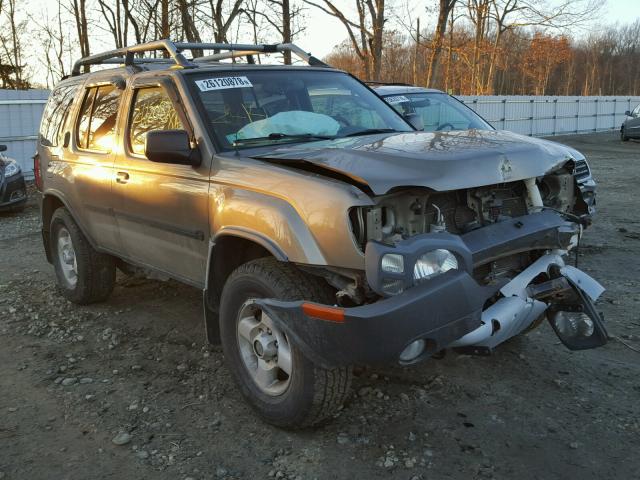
(251, 235)
(44, 226)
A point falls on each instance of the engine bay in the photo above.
(414, 211)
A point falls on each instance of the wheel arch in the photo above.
(50, 203)
(228, 249)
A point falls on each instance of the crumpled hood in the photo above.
(437, 160)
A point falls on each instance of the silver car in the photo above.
(631, 125)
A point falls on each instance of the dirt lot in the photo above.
(73, 378)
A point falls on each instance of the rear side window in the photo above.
(152, 110)
(56, 114)
(97, 123)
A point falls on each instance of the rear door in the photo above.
(78, 149)
(161, 209)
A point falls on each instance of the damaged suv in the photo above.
(323, 229)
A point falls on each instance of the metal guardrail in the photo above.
(596, 114)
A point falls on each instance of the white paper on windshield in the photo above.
(221, 83)
(396, 99)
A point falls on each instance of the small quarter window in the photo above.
(55, 115)
(97, 123)
(152, 110)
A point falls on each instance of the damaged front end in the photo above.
(469, 268)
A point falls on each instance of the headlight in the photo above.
(573, 324)
(434, 263)
(11, 168)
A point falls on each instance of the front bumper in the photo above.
(13, 191)
(443, 311)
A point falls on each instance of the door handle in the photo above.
(122, 177)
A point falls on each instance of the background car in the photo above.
(13, 190)
(437, 110)
(631, 125)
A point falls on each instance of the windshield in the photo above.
(248, 109)
(439, 111)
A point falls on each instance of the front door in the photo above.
(161, 209)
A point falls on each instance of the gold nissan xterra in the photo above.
(325, 229)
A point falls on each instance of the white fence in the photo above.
(548, 116)
(20, 113)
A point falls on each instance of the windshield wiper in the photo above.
(370, 131)
(281, 136)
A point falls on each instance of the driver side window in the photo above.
(152, 109)
(636, 111)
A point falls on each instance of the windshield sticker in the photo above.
(222, 83)
(396, 99)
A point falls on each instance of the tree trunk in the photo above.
(377, 14)
(286, 29)
(446, 6)
(164, 20)
(416, 52)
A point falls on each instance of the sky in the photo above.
(323, 32)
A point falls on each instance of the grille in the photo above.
(581, 170)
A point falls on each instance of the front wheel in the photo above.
(623, 137)
(273, 375)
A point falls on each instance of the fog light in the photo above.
(392, 287)
(573, 324)
(434, 263)
(392, 263)
(412, 351)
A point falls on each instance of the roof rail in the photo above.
(390, 84)
(175, 56)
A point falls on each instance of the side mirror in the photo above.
(3, 148)
(627, 113)
(171, 146)
(415, 119)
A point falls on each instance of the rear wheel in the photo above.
(274, 376)
(84, 275)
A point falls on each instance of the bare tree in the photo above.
(366, 34)
(12, 71)
(444, 12)
(281, 16)
(55, 45)
(79, 12)
(221, 16)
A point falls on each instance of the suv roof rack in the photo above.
(175, 56)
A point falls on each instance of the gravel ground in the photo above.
(128, 389)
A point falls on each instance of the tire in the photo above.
(623, 137)
(310, 394)
(84, 275)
